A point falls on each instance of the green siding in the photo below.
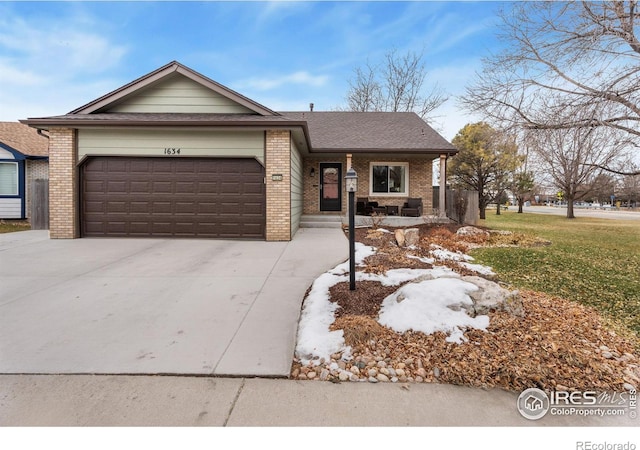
(249, 144)
(178, 94)
(296, 188)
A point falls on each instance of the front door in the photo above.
(330, 187)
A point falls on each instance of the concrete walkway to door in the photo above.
(156, 306)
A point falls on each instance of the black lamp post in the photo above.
(351, 181)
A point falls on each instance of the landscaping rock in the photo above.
(490, 296)
(471, 231)
(400, 237)
(344, 376)
(411, 237)
(382, 377)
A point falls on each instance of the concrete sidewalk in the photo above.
(85, 400)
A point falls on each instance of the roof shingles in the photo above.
(370, 131)
(24, 139)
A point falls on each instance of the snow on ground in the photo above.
(432, 304)
(442, 254)
(462, 259)
(478, 268)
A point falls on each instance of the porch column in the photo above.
(443, 185)
(349, 166)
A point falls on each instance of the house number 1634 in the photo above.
(171, 151)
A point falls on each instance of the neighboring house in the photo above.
(23, 158)
(176, 154)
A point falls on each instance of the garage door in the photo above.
(166, 197)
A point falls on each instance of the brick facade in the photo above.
(420, 181)
(63, 184)
(278, 162)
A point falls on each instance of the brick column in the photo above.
(278, 163)
(63, 184)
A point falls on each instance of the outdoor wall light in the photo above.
(312, 172)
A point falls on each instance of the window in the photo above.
(8, 178)
(389, 179)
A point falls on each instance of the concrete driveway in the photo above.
(156, 306)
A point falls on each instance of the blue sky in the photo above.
(55, 56)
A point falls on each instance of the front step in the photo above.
(320, 221)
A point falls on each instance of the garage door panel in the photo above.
(163, 197)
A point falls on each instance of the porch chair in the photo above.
(364, 207)
(412, 208)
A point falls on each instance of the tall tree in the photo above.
(484, 162)
(566, 65)
(396, 84)
(522, 185)
(571, 158)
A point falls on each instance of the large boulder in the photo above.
(472, 231)
(411, 236)
(490, 296)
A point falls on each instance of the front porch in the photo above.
(342, 220)
(384, 181)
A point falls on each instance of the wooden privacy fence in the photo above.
(40, 204)
(465, 203)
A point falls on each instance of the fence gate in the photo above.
(40, 205)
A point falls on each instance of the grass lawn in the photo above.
(9, 226)
(595, 262)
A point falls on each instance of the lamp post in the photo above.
(351, 181)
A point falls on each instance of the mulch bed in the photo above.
(557, 344)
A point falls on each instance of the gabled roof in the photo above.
(23, 139)
(173, 67)
(360, 132)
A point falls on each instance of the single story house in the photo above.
(176, 154)
(23, 158)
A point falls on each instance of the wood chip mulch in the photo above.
(557, 344)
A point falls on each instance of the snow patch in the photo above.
(442, 254)
(478, 268)
(430, 306)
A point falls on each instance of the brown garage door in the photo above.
(165, 197)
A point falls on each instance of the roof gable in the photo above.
(174, 88)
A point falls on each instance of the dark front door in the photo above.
(330, 187)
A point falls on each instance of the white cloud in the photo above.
(300, 78)
(45, 63)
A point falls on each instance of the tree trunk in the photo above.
(483, 212)
(520, 205)
(497, 208)
(570, 214)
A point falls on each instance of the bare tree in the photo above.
(397, 84)
(365, 92)
(567, 65)
(571, 158)
(629, 190)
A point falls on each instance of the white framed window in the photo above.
(8, 178)
(389, 179)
